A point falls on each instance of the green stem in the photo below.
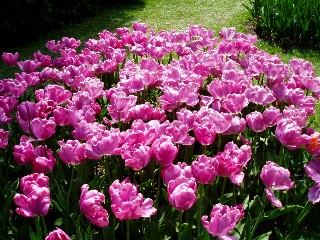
(113, 228)
(107, 170)
(180, 224)
(199, 229)
(68, 197)
(158, 188)
(223, 186)
(38, 227)
(44, 225)
(128, 229)
(78, 231)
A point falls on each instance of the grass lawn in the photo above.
(163, 14)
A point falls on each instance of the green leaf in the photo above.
(246, 202)
(264, 236)
(302, 235)
(278, 234)
(32, 234)
(186, 231)
(58, 222)
(280, 211)
(255, 206)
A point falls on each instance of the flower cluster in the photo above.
(190, 107)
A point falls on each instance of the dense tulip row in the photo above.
(188, 107)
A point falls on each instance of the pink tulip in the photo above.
(204, 169)
(271, 116)
(312, 170)
(27, 111)
(234, 103)
(43, 128)
(182, 193)
(128, 203)
(57, 234)
(140, 27)
(10, 59)
(72, 152)
(171, 172)
(178, 131)
(289, 133)
(35, 199)
(106, 143)
(28, 182)
(259, 95)
(275, 177)
(136, 156)
(223, 220)
(232, 160)
(24, 153)
(91, 206)
(29, 66)
(238, 125)
(4, 137)
(70, 42)
(163, 150)
(56, 93)
(205, 133)
(255, 121)
(45, 160)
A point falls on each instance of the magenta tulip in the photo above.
(57, 234)
(275, 177)
(182, 193)
(128, 203)
(223, 220)
(91, 206)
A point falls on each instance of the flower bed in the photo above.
(168, 135)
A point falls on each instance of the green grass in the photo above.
(162, 14)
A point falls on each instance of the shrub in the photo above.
(290, 22)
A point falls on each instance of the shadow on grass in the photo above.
(109, 17)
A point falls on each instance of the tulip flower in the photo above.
(312, 170)
(163, 150)
(128, 203)
(10, 59)
(43, 128)
(171, 172)
(72, 152)
(232, 160)
(223, 220)
(91, 206)
(289, 133)
(57, 234)
(182, 193)
(275, 177)
(4, 137)
(255, 121)
(35, 199)
(204, 169)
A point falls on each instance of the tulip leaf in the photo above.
(303, 235)
(264, 236)
(32, 234)
(280, 211)
(255, 206)
(187, 231)
(58, 222)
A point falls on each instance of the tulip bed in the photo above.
(167, 135)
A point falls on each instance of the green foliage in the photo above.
(287, 21)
